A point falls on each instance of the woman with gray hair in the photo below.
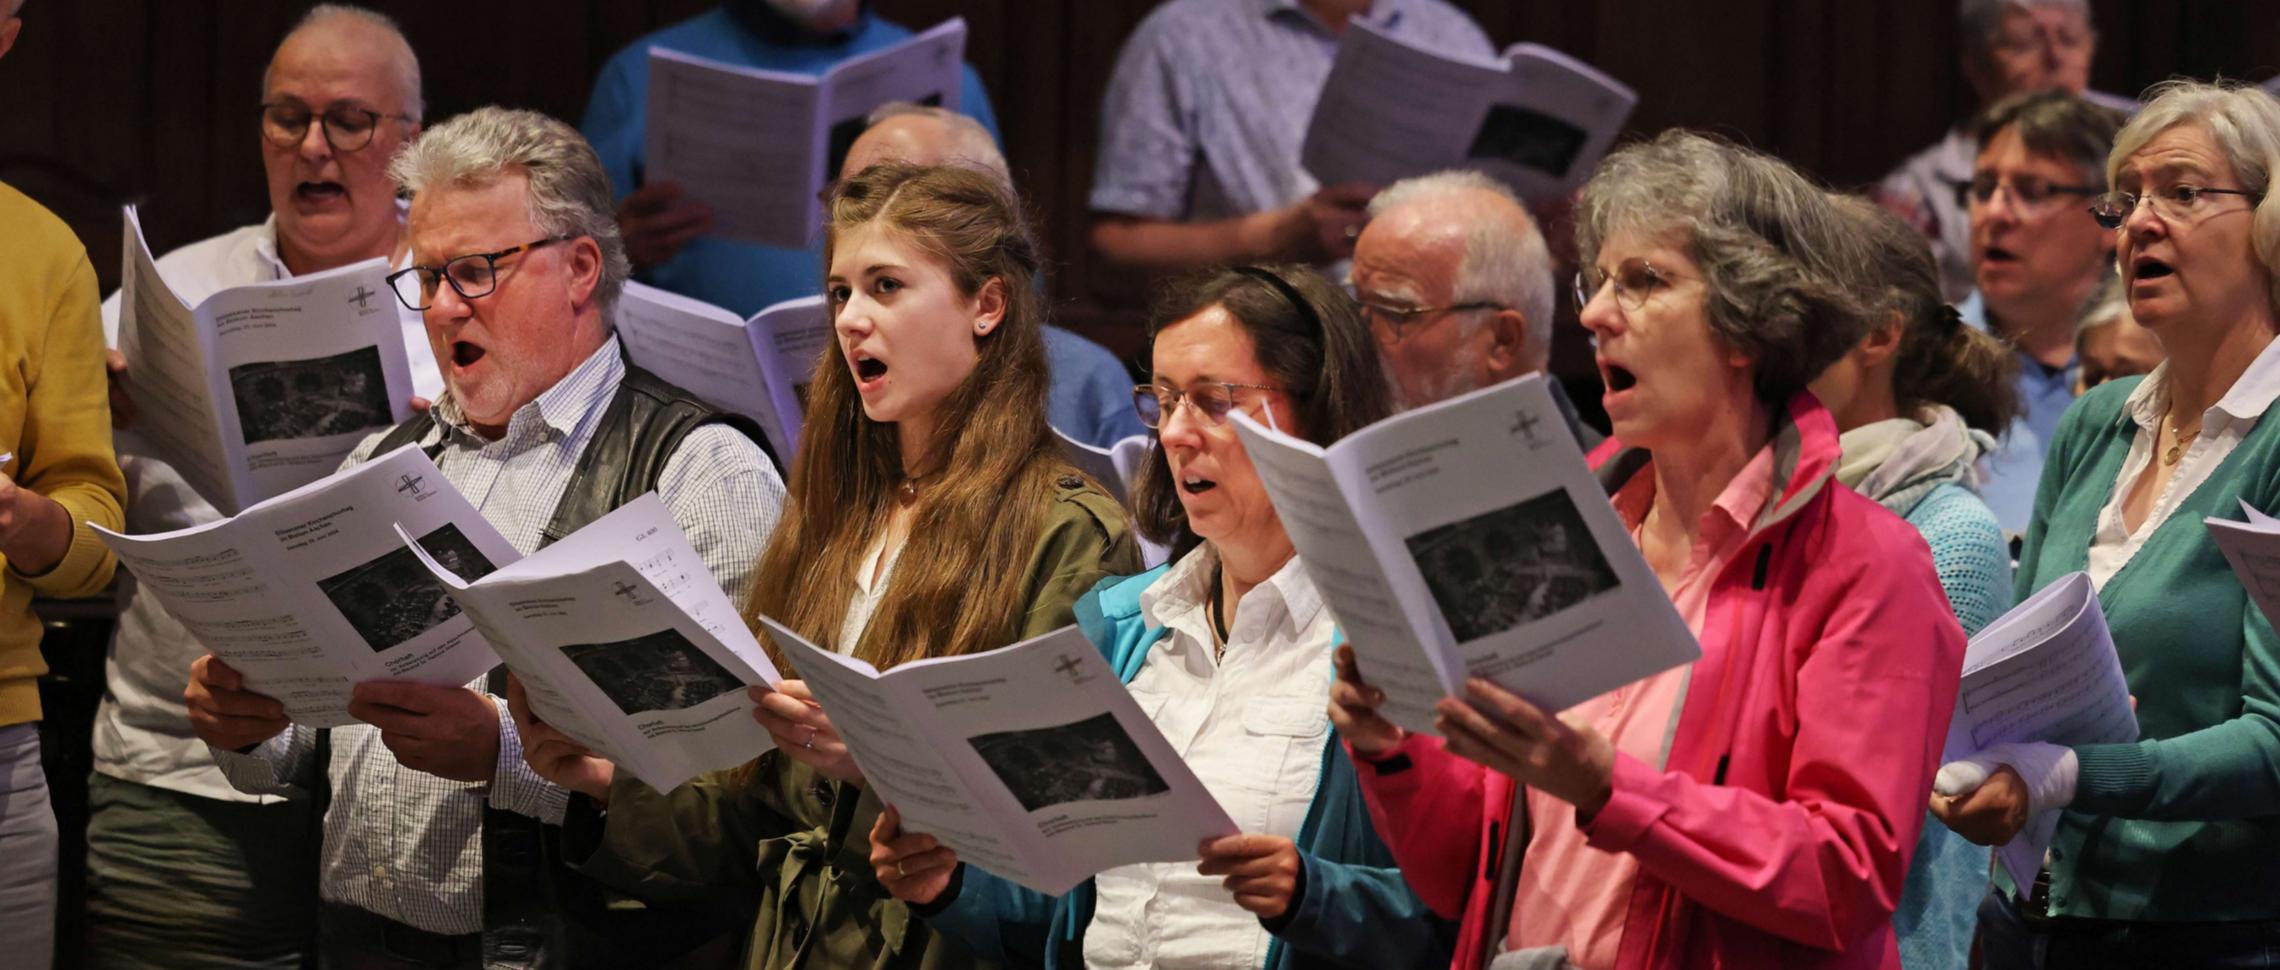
(1758, 807)
(2165, 846)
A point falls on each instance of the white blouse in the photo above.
(868, 592)
(1252, 724)
(2223, 426)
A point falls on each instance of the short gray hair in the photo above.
(568, 194)
(1977, 22)
(407, 62)
(2244, 120)
(2057, 125)
(971, 145)
(1505, 262)
(1777, 256)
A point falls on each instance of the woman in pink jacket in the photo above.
(1756, 808)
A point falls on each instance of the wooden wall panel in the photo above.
(106, 101)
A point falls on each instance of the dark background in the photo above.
(107, 101)
(154, 101)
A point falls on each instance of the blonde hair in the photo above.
(957, 586)
(2245, 123)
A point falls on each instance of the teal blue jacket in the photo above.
(1355, 910)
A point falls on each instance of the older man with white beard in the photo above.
(184, 869)
(1456, 283)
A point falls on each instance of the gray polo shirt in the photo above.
(1208, 107)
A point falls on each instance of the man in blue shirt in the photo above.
(2037, 259)
(665, 234)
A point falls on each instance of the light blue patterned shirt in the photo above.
(1207, 110)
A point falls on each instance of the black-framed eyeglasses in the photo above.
(347, 128)
(1393, 324)
(2176, 203)
(1211, 401)
(1634, 281)
(472, 276)
(2029, 193)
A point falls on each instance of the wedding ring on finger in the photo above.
(810, 742)
(1353, 232)
(899, 873)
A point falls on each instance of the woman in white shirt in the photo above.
(1228, 651)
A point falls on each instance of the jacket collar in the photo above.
(1805, 456)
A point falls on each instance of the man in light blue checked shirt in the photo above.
(1203, 121)
(516, 262)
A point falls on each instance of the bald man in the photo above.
(1456, 284)
(1091, 396)
(183, 869)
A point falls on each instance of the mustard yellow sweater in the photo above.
(56, 416)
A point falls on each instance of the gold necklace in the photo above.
(2179, 439)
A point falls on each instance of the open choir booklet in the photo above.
(759, 368)
(2252, 546)
(1469, 539)
(1031, 761)
(2045, 671)
(262, 388)
(758, 146)
(1116, 467)
(1538, 119)
(312, 592)
(625, 642)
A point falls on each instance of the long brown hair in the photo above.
(957, 586)
(1309, 338)
(1940, 360)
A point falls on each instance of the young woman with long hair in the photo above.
(929, 515)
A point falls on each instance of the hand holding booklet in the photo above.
(624, 642)
(311, 592)
(759, 368)
(1537, 120)
(266, 387)
(2045, 671)
(1030, 761)
(1469, 539)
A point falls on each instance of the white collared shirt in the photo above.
(1252, 725)
(2223, 426)
(142, 731)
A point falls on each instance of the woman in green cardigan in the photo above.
(2166, 847)
(929, 515)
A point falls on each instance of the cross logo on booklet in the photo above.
(1524, 426)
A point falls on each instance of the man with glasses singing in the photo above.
(2008, 47)
(1456, 284)
(2037, 259)
(184, 869)
(515, 266)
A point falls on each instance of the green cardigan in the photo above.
(802, 843)
(2184, 824)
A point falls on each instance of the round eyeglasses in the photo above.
(471, 276)
(2176, 203)
(347, 128)
(1211, 401)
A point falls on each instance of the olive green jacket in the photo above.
(802, 842)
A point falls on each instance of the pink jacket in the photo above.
(1810, 728)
